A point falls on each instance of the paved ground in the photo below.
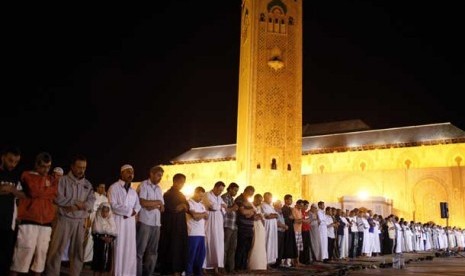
(426, 263)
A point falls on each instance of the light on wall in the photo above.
(363, 195)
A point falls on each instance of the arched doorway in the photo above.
(427, 194)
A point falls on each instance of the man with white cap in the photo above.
(125, 205)
(58, 172)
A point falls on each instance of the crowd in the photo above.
(46, 218)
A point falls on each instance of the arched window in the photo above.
(276, 19)
(274, 166)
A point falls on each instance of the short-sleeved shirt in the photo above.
(195, 227)
(243, 223)
(149, 191)
(229, 217)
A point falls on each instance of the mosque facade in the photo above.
(407, 171)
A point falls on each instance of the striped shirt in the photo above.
(229, 217)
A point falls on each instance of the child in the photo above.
(196, 231)
(104, 233)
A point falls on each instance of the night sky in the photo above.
(139, 84)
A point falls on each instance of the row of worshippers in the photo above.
(264, 230)
(41, 214)
(44, 217)
(238, 235)
(361, 233)
(429, 236)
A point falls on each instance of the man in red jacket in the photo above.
(35, 213)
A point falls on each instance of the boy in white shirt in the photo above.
(196, 231)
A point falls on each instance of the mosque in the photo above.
(407, 171)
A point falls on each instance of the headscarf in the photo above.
(103, 225)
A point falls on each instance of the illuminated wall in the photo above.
(416, 179)
(200, 174)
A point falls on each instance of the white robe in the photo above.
(214, 231)
(376, 241)
(323, 227)
(315, 236)
(367, 238)
(122, 204)
(257, 255)
(271, 228)
(399, 238)
(442, 239)
(408, 238)
(428, 243)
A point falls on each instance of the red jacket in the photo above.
(40, 192)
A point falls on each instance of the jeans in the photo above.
(147, 238)
(230, 244)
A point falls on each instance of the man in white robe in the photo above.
(367, 237)
(125, 205)
(271, 228)
(315, 233)
(323, 227)
(214, 231)
(399, 236)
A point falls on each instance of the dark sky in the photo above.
(139, 84)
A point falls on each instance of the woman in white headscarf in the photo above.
(104, 233)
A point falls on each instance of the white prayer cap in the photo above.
(125, 167)
(58, 170)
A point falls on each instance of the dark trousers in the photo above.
(230, 244)
(7, 244)
(360, 244)
(244, 244)
(331, 248)
(305, 256)
(280, 247)
(390, 243)
(353, 244)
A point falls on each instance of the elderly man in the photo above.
(271, 228)
(57, 172)
(148, 226)
(75, 200)
(125, 205)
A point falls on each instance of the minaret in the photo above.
(269, 127)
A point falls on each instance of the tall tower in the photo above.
(269, 127)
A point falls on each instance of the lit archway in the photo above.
(427, 194)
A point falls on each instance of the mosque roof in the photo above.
(410, 136)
